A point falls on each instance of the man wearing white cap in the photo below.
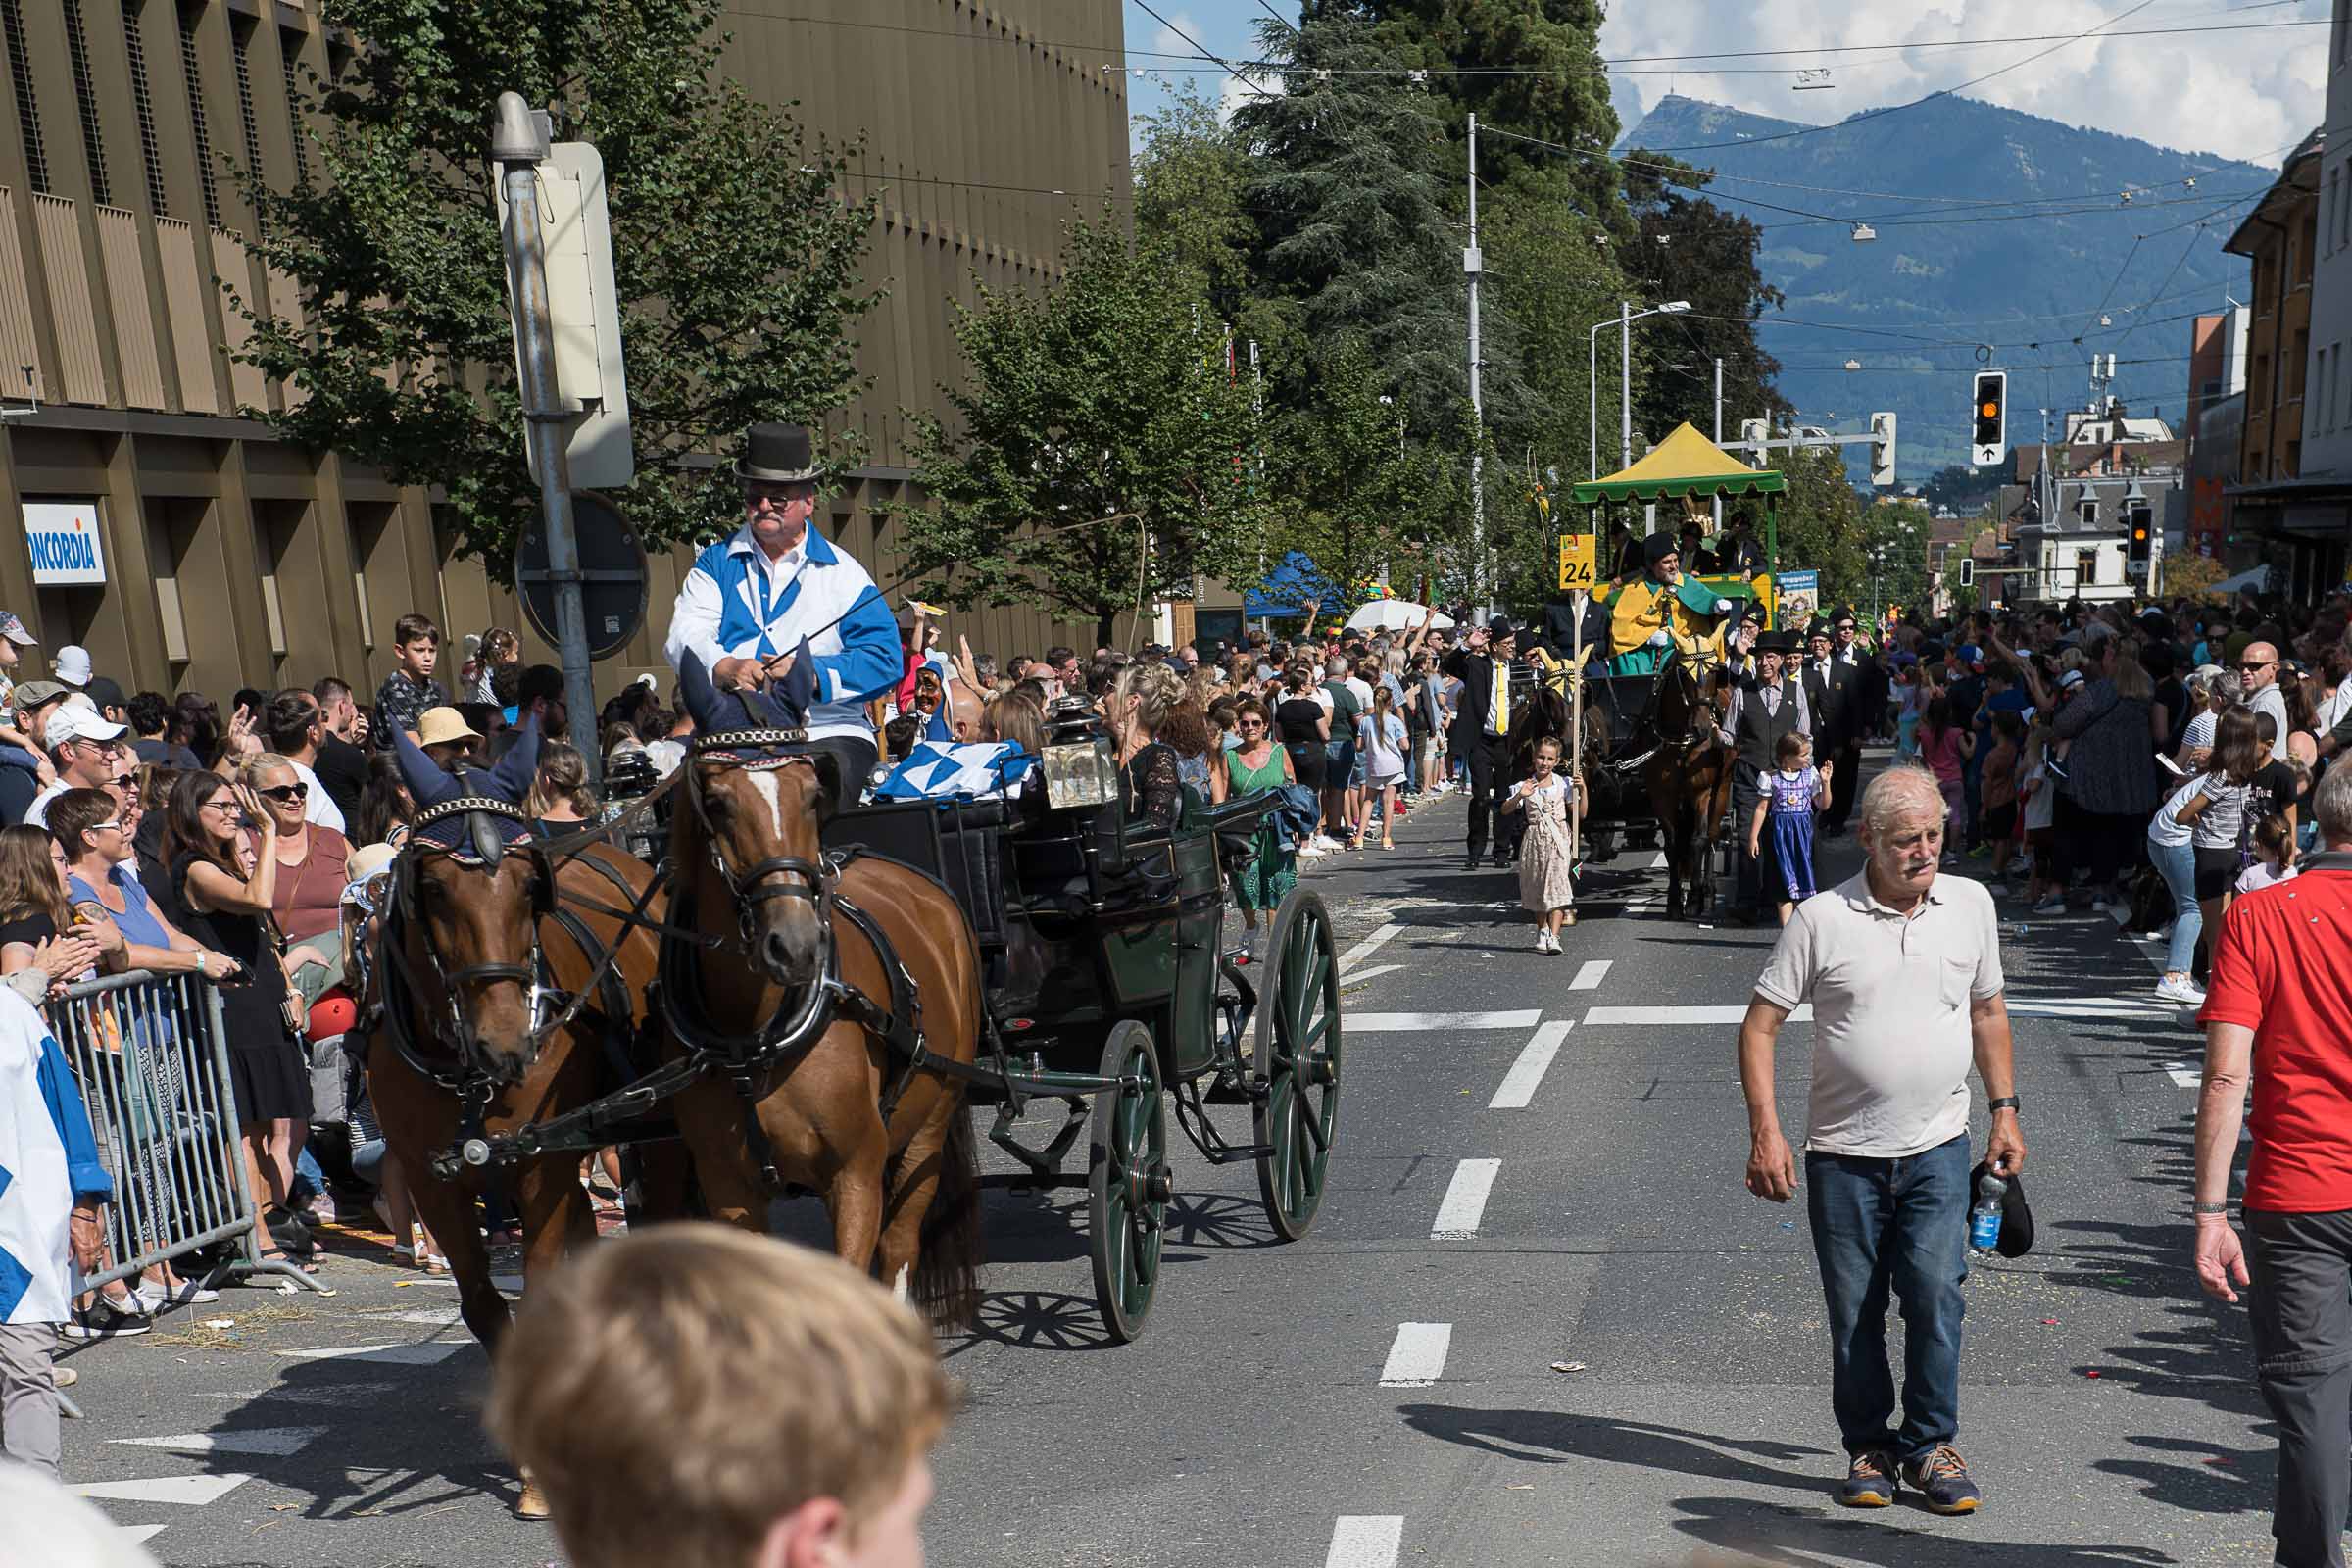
(86, 750)
(74, 665)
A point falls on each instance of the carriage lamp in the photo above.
(1081, 773)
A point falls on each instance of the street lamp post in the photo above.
(1627, 315)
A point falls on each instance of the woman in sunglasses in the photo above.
(227, 884)
(312, 868)
(1258, 765)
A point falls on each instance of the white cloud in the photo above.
(2244, 93)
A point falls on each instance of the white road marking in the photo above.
(1465, 1202)
(1418, 1357)
(277, 1441)
(1357, 977)
(1599, 1017)
(1365, 948)
(1590, 977)
(1365, 1541)
(2187, 1075)
(1526, 1076)
(189, 1491)
(446, 1317)
(2089, 1009)
(379, 1354)
(1391, 1023)
(1661, 862)
(898, 1287)
(139, 1535)
(511, 1284)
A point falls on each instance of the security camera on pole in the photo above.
(575, 406)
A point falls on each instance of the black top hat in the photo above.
(776, 454)
(1500, 627)
(1819, 628)
(1776, 642)
(1659, 546)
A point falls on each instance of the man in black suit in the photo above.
(1767, 703)
(1831, 696)
(1482, 728)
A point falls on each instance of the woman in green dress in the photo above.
(1256, 765)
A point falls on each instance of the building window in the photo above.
(2321, 423)
(241, 37)
(151, 151)
(288, 43)
(93, 143)
(197, 127)
(28, 116)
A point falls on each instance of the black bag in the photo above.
(2017, 1219)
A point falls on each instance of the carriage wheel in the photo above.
(1297, 1054)
(1127, 1181)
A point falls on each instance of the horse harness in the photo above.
(783, 1039)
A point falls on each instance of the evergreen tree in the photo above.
(736, 259)
(1103, 451)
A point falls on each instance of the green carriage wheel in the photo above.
(1297, 1055)
(1127, 1181)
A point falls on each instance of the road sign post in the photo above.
(519, 145)
(1578, 551)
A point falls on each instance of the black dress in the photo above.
(1156, 786)
(266, 1065)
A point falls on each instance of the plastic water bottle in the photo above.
(1984, 1220)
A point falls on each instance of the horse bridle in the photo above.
(780, 876)
(408, 910)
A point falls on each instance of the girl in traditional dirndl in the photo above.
(1780, 833)
(1544, 886)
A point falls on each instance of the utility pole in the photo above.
(1625, 383)
(1472, 263)
(1718, 501)
(519, 142)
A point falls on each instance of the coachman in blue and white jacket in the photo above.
(757, 593)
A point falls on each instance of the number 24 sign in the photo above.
(1576, 562)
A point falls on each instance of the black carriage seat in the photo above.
(959, 842)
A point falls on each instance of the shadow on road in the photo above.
(1897, 1538)
(1554, 1437)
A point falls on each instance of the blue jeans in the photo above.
(2177, 863)
(1902, 1224)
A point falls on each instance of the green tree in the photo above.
(1687, 248)
(736, 259)
(1896, 550)
(1095, 417)
(1820, 524)
(1529, 67)
(1355, 243)
(1191, 176)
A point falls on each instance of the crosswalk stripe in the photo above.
(1526, 1076)
(1365, 1541)
(140, 1535)
(1391, 1023)
(2186, 1075)
(1465, 1202)
(378, 1355)
(187, 1490)
(1599, 1017)
(1357, 977)
(1590, 975)
(1365, 948)
(274, 1441)
(1418, 1357)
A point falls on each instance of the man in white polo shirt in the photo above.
(1904, 969)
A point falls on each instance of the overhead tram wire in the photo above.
(1229, 69)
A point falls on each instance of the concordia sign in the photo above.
(62, 537)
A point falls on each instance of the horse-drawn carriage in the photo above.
(1646, 744)
(813, 997)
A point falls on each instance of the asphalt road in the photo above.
(1539, 1163)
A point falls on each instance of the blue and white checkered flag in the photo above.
(941, 771)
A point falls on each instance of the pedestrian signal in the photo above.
(1968, 571)
(1988, 416)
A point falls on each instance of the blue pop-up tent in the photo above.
(1287, 588)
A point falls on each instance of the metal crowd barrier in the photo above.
(151, 1055)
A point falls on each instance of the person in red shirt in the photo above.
(2281, 992)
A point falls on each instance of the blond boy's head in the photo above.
(701, 1397)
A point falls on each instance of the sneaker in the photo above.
(1869, 1481)
(190, 1292)
(2055, 904)
(2098, 905)
(1544, 940)
(104, 1319)
(2181, 989)
(1326, 842)
(1983, 851)
(1940, 1478)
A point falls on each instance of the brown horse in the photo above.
(509, 980)
(1689, 776)
(826, 977)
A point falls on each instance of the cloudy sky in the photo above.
(2235, 82)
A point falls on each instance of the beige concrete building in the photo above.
(187, 548)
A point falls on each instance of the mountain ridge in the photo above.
(2022, 239)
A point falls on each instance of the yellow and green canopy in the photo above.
(1685, 463)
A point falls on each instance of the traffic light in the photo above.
(1968, 571)
(1989, 415)
(2142, 547)
(1882, 450)
(1753, 433)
